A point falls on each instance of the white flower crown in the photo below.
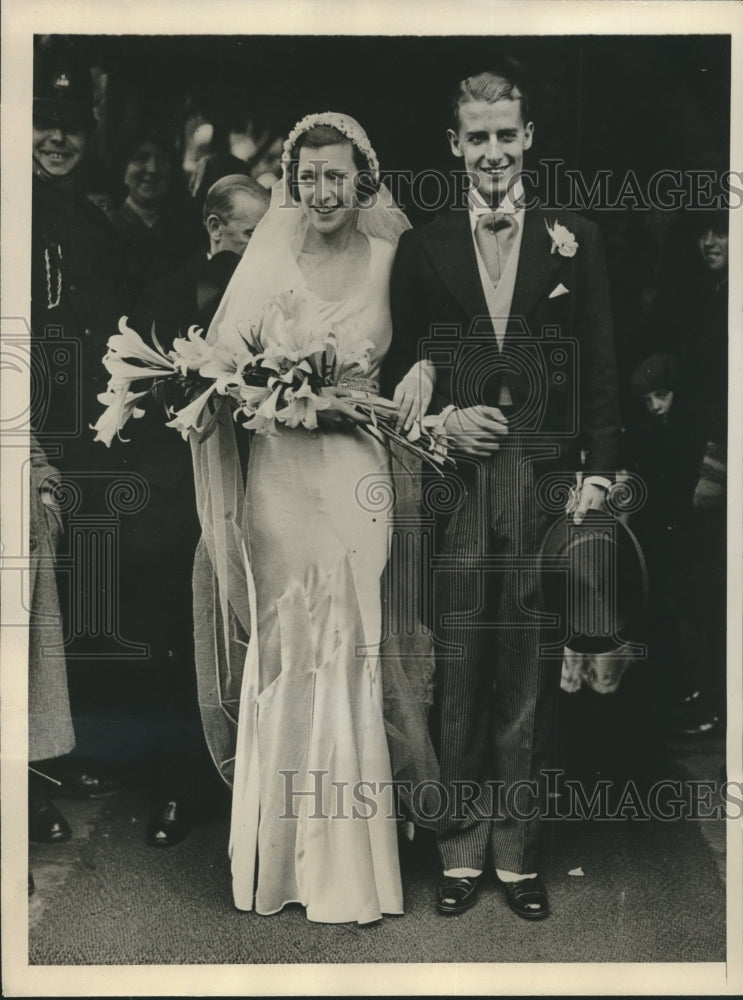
(345, 124)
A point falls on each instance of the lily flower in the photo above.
(251, 396)
(128, 345)
(120, 405)
(280, 358)
(187, 419)
(262, 420)
(122, 370)
(225, 366)
(323, 354)
(191, 352)
(302, 406)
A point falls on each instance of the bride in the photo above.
(288, 582)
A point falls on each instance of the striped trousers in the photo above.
(496, 702)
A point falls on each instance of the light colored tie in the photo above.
(495, 233)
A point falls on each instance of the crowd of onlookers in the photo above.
(676, 440)
(135, 236)
(125, 238)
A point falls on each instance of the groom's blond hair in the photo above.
(489, 86)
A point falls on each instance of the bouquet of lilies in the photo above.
(266, 385)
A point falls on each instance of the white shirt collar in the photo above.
(509, 205)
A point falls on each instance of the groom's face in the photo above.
(492, 139)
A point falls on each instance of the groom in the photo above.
(506, 306)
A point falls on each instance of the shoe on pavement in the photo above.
(456, 895)
(527, 898)
(89, 784)
(46, 824)
(170, 825)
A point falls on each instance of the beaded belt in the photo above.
(356, 383)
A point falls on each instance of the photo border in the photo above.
(20, 21)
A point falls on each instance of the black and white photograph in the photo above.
(370, 550)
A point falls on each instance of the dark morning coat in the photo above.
(566, 397)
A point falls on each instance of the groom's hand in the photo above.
(476, 430)
(590, 497)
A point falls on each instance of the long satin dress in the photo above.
(313, 815)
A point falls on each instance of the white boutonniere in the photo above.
(563, 241)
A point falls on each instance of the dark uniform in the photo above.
(78, 293)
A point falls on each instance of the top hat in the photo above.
(593, 576)
(63, 91)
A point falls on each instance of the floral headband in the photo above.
(343, 123)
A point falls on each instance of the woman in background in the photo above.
(156, 223)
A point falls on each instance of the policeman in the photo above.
(77, 295)
(78, 287)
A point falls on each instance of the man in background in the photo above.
(161, 539)
(233, 207)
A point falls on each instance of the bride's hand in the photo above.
(413, 394)
(340, 414)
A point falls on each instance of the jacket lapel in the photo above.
(537, 264)
(452, 251)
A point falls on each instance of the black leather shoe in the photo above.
(455, 895)
(89, 785)
(46, 824)
(170, 825)
(527, 898)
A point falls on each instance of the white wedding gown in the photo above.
(313, 820)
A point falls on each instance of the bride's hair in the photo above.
(327, 135)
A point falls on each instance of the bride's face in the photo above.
(326, 180)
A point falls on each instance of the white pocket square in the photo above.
(560, 290)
